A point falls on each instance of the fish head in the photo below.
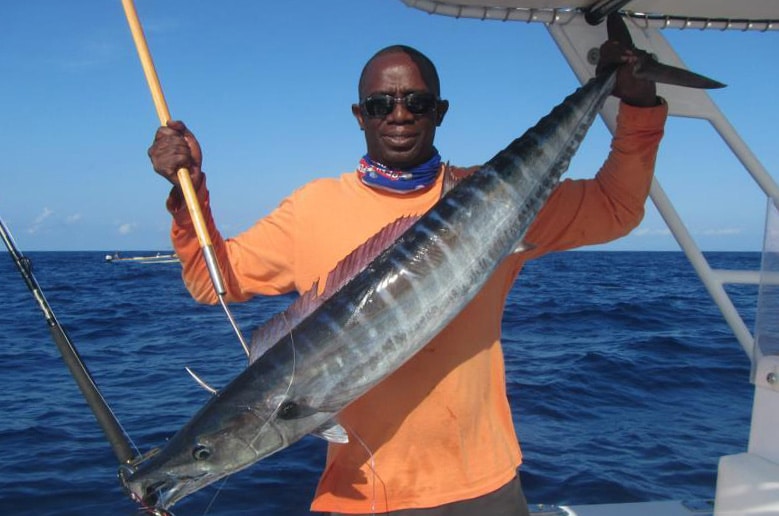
(257, 414)
(210, 446)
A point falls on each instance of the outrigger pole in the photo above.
(113, 431)
(183, 174)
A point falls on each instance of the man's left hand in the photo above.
(629, 88)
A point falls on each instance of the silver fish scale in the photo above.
(408, 294)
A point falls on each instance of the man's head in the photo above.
(399, 133)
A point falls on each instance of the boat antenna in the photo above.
(112, 429)
(183, 174)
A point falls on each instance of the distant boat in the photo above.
(158, 258)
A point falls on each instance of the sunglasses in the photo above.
(381, 105)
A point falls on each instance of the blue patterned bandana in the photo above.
(376, 175)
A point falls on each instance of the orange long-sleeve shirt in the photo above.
(439, 429)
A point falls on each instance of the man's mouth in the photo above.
(403, 141)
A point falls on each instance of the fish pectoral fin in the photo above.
(332, 432)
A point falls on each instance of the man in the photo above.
(435, 437)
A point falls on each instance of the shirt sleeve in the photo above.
(257, 261)
(609, 206)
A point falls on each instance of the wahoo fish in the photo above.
(328, 349)
(377, 320)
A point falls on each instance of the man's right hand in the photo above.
(175, 147)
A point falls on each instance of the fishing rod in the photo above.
(113, 430)
(190, 197)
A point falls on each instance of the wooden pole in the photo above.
(185, 181)
(183, 174)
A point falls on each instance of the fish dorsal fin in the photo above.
(358, 259)
(282, 323)
(454, 176)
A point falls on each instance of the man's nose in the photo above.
(400, 112)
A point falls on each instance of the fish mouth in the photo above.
(156, 497)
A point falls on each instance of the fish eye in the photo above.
(289, 410)
(201, 452)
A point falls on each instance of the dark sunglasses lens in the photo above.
(378, 105)
(420, 103)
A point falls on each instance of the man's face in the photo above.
(400, 139)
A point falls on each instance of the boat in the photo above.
(747, 482)
(157, 258)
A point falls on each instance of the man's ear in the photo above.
(443, 107)
(357, 112)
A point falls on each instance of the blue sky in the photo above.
(267, 89)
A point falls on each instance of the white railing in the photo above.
(747, 483)
(487, 10)
(576, 39)
(767, 320)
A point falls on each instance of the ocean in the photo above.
(625, 382)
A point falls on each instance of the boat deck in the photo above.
(664, 508)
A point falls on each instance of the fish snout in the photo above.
(145, 493)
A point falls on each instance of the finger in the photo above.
(170, 149)
(612, 52)
(165, 132)
(178, 126)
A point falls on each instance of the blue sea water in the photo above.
(626, 384)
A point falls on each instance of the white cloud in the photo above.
(642, 232)
(39, 220)
(72, 219)
(648, 232)
(45, 214)
(126, 229)
(722, 231)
